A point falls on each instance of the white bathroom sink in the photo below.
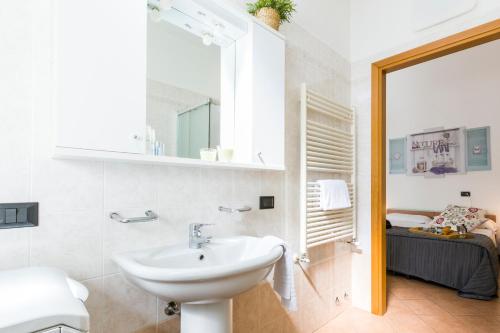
(218, 271)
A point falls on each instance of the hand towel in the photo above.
(284, 283)
(334, 194)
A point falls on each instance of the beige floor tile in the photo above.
(460, 306)
(488, 307)
(423, 307)
(395, 306)
(444, 323)
(407, 292)
(342, 324)
(408, 323)
(416, 306)
(479, 324)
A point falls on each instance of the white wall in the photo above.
(381, 25)
(458, 90)
(381, 28)
(328, 21)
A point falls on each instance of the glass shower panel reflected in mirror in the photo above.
(186, 63)
(197, 129)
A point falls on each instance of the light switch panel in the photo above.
(18, 215)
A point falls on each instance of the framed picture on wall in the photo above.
(397, 156)
(436, 152)
(478, 149)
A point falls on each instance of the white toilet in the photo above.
(41, 299)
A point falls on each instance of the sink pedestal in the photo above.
(207, 317)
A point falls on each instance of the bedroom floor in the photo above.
(420, 307)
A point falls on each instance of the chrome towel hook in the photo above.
(235, 210)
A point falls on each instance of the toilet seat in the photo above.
(41, 299)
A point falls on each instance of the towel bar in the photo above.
(150, 216)
(235, 210)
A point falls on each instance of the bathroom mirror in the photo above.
(190, 86)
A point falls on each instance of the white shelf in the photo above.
(85, 154)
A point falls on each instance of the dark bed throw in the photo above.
(468, 265)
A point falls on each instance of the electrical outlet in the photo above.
(465, 194)
(266, 202)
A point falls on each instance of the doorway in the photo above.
(479, 35)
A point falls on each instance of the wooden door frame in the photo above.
(458, 42)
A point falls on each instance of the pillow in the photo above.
(453, 216)
(488, 224)
(408, 220)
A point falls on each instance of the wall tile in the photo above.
(270, 309)
(15, 248)
(121, 237)
(69, 241)
(245, 311)
(130, 186)
(170, 326)
(67, 186)
(94, 303)
(125, 308)
(15, 101)
(179, 195)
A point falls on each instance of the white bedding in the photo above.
(486, 232)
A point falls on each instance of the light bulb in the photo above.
(155, 14)
(165, 4)
(207, 38)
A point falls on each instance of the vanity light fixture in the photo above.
(219, 26)
(207, 38)
(154, 13)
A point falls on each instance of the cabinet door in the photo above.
(268, 97)
(100, 74)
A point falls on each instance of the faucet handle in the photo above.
(198, 226)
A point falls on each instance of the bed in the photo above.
(467, 265)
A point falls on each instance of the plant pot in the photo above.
(269, 16)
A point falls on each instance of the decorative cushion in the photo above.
(453, 216)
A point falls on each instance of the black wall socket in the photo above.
(465, 194)
(266, 202)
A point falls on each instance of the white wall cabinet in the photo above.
(100, 79)
(260, 96)
(268, 133)
(100, 74)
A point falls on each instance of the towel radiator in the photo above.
(327, 150)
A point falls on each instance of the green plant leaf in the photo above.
(285, 8)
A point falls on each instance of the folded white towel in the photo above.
(284, 283)
(334, 194)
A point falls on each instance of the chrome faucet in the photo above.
(195, 237)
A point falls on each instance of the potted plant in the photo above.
(272, 12)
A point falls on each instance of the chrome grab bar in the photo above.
(235, 210)
(150, 216)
